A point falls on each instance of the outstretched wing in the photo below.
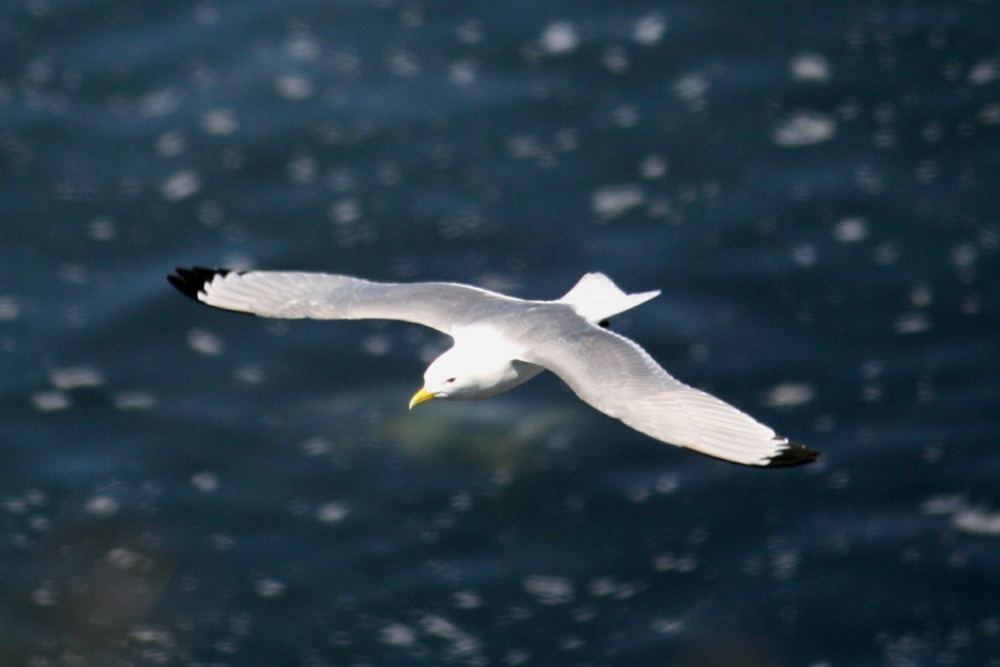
(619, 378)
(325, 296)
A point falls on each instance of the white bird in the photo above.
(501, 342)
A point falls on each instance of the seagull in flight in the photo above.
(501, 342)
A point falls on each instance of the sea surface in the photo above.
(813, 185)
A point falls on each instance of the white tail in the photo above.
(596, 298)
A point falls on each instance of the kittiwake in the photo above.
(501, 342)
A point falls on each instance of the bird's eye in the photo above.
(450, 381)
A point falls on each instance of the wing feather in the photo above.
(616, 376)
(324, 296)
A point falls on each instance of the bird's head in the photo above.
(463, 374)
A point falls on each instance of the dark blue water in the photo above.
(813, 186)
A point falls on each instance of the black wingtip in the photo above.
(191, 282)
(793, 454)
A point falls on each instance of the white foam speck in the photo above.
(619, 590)
(912, 323)
(567, 140)
(180, 186)
(470, 32)
(293, 87)
(944, 503)
(32, 499)
(316, 446)
(250, 374)
(653, 167)
(972, 304)
(377, 345)
(805, 128)
(74, 377)
(10, 309)
(524, 146)
(872, 393)
(44, 596)
(615, 201)
(984, 72)
(15, 506)
(403, 64)
(303, 47)
(50, 401)
(103, 229)
(516, 656)
(571, 643)
(332, 512)
(804, 255)
(667, 483)
(692, 87)
(851, 230)
(205, 481)
(921, 295)
(990, 114)
(157, 637)
(205, 342)
(666, 626)
(550, 590)
(345, 211)
(886, 254)
(649, 29)
(560, 38)
(674, 563)
(220, 122)
(460, 643)
(463, 73)
(977, 521)
(964, 256)
(74, 273)
(785, 565)
(206, 13)
(638, 493)
(302, 169)
(467, 599)
(170, 144)
(615, 59)
(270, 588)
(102, 506)
(790, 394)
(222, 542)
(133, 400)
(397, 634)
(964, 517)
(159, 103)
(123, 559)
(626, 115)
(809, 67)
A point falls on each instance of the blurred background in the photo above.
(812, 185)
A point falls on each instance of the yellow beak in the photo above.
(420, 397)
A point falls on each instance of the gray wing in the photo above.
(619, 378)
(326, 296)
